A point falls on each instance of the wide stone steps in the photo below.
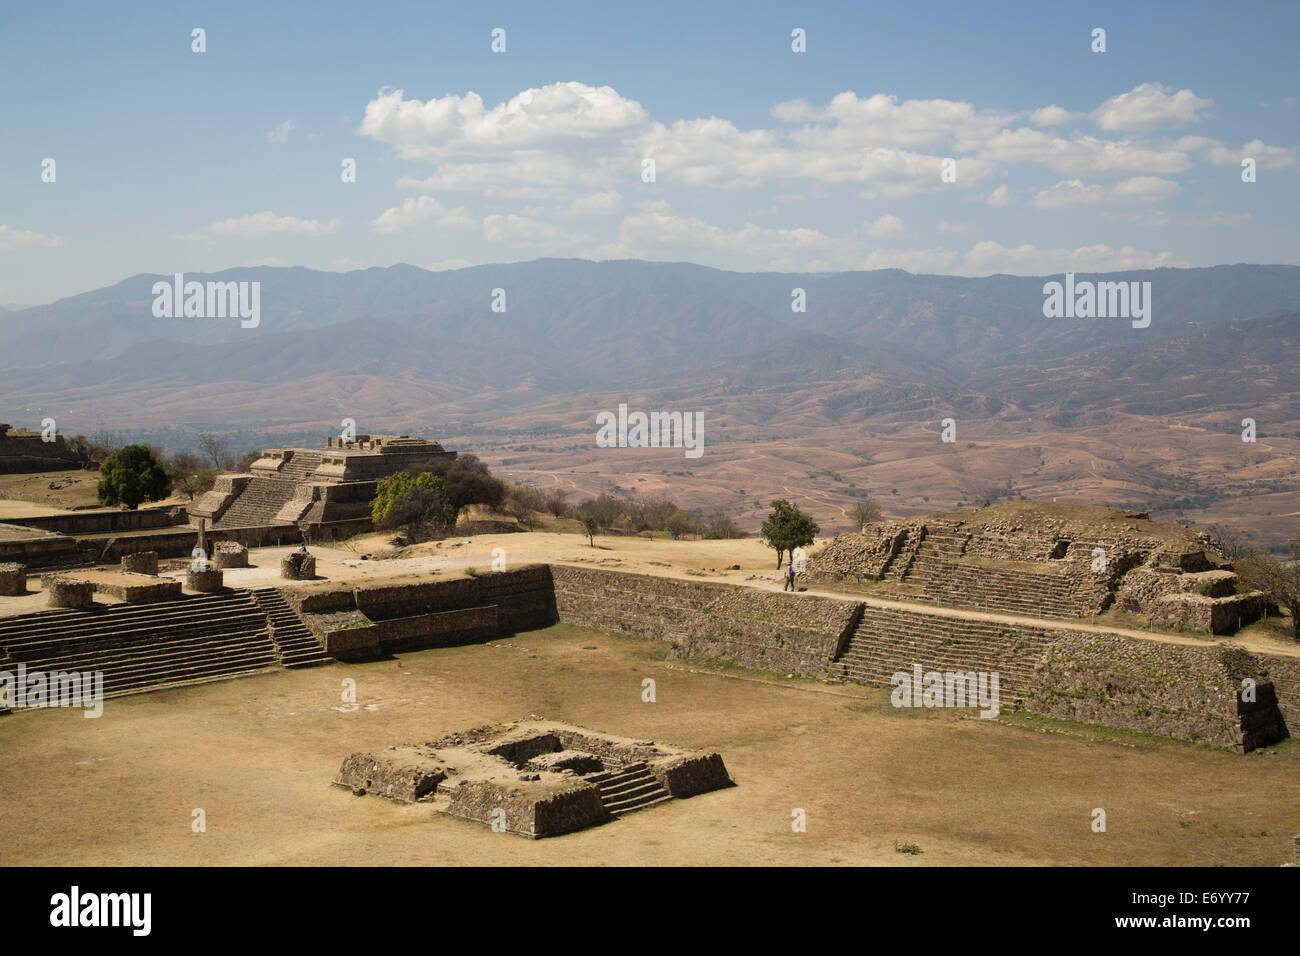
(118, 619)
(1032, 594)
(887, 641)
(257, 504)
(301, 466)
(628, 788)
(297, 645)
(139, 648)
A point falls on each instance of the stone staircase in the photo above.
(944, 579)
(887, 640)
(257, 504)
(296, 644)
(301, 465)
(628, 787)
(145, 647)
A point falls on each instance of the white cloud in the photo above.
(1050, 116)
(946, 226)
(1150, 106)
(884, 226)
(16, 238)
(1265, 156)
(1083, 155)
(1074, 192)
(281, 133)
(417, 209)
(543, 116)
(524, 231)
(266, 223)
(999, 197)
(603, 203)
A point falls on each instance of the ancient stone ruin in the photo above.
(141, 562)
(323, 491)
(298, 566)
(1041, 560)
(534, 777)
(229, 554)
(13, 579)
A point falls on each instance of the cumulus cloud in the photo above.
(1265, 156)
(418, 209)
(1151, 106)
(267, 223)
(1050, 116)
(1074, 192)
(884, 226)
(999, 197)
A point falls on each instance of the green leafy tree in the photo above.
(787, 528)
(1262, 571)
(132, 475)
(416, 502)
(679, 523)
(467, 481)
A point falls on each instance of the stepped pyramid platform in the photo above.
(325, 491)
(1047, 560)
(535, 777)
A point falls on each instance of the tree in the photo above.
(605, 509)
(131, 475)
(721, 525)
(214, 448)
(865, 512)
(787, 528)
(418, 503)
(1262, 571)
(557, 503)
(678, 524)
(590, 527)
(467, 481)
(523, 502)
(1231, 544)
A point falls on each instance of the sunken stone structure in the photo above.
(324, 491)
(534, 777)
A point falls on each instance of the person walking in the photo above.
(789, 577)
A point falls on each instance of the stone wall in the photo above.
(1173, 690)
(768, 630)
(102, 522)
(414, 613)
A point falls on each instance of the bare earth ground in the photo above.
(257, 755)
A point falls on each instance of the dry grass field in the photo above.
(257, 756)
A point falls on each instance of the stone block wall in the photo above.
(771, 631)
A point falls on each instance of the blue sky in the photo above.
(169, 160)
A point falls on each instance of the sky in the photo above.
(170, 160)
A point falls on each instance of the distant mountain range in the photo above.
(856, 385)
